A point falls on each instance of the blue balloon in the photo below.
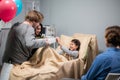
(19, 6)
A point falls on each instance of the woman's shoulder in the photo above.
(104, 56)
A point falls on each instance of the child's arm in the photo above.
(60, 51)
(66, 50)
(58, 41)
(72, 53)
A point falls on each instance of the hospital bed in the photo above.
(87, 53)
(46, 64)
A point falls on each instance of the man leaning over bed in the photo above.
(20, 42)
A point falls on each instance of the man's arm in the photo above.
(31, 41)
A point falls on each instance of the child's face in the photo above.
(73, 46)
(38, 30)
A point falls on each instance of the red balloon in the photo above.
(7, 10)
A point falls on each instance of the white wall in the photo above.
(82, 16)
(27, 6)
(79, 16)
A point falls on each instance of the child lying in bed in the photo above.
(72, 52)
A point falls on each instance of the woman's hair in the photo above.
(77, 43)
(34, 15)
(41, 32)
(112, 36)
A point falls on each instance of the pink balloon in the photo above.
(7, 10)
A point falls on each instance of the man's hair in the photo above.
(34, 15)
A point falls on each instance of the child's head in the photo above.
(75, 44)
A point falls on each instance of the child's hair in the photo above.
(77, 43)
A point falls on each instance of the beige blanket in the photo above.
(47, 64)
